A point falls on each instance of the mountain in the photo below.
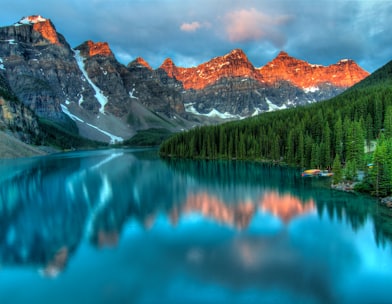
(309, 77)
(231, 87)
(87, 92)
(85, 86)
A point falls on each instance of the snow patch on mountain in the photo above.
(10, 41)
(131, 94)
(274, 107)
(67, 112)
(311, 90)
(1, 64)
(257, 112)
(102, 99)
(81, 99)
(30, 20)
(113, 138)
(213, 113)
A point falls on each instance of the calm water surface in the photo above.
(123, 226)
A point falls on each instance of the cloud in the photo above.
(250, 25)
(190, 27)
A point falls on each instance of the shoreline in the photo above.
(11, 147)
(350, 188)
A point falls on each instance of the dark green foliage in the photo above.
(381, 172)
(337, 170)
(350, 171)
(150, 137)
(64, 136)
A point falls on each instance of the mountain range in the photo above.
(87, 91)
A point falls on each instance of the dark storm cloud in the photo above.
(191, 32)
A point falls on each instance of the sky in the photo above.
(191, 32)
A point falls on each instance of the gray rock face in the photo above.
(16, 117)
(245, 97)
(155, 89)
(42, 72)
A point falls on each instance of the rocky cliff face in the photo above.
(307, 76)
(15, 117)
(41, 69)
(155, 89)
(127, 88)
(231, 87)
(234, 64)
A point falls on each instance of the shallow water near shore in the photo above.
(123, 226)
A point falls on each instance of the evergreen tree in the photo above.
(350, 171)
(388, 122)
(337, 170)
(369, 131)
(381, 172)
(338, 133)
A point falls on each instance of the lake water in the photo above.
(123, 226)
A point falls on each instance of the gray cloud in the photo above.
(191, 32)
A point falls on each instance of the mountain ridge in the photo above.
(282, 68)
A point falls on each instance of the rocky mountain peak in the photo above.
(142, 63)
(236, 54)
(233, 64)
(41, 25)
(31, 20)
(283, 55)
(304, 75)
(90, 49)
(169, 67)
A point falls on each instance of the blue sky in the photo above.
(194, 31)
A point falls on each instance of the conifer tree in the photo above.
(388, 122)
(381, 171)
(337, 170)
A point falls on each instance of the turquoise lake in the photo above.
(124, 226)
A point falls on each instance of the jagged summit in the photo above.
(90, 49)
(41, 25)
(167, 62)
(283, 67)
(233, 64)
(31, 20)
(236, 53)
(139, 61)
(305, 75)
(283, 54)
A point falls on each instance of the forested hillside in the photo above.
(311, 136)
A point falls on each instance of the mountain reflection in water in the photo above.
(233, 223)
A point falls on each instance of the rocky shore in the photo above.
(386, 201)
(350, 186)
(344, 186)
